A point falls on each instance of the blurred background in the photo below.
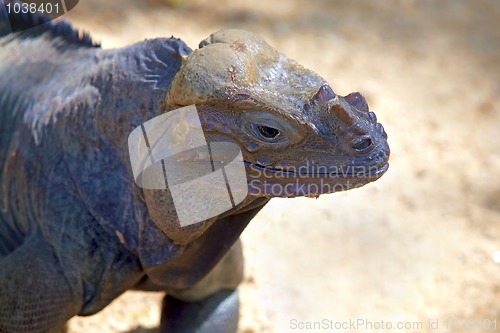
(419, 243)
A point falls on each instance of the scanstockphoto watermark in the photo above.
(361, 324)
(308, 178)
(367, 325)
(171, 152)
(309, 169)
(24, 15)
(294, 187)
(48, 9)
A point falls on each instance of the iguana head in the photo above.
(297, 136)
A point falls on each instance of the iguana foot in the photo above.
(217, 313)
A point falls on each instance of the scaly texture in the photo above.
(76, 231)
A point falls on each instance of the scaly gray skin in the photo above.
(76, 231)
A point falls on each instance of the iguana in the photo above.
(75, 229)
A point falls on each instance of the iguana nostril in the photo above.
(373, 117)
(363, 145)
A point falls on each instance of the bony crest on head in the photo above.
(231, 61)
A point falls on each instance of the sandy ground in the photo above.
(416, 245)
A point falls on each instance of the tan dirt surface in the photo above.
(416, 245)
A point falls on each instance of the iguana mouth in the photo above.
(276, 182)
(368, 172)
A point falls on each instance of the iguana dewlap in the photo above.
(75, 229)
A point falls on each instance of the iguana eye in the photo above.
(267, 128)
(268, 132)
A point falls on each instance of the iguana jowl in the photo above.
(76, 231)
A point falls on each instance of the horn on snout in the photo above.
(357, 100)
(344, 115)
(324, 94)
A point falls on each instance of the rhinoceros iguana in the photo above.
(75, 229)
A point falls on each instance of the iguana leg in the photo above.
(35, 295)
(210, 306)
(217, 313)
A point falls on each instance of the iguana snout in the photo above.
(356, 125)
